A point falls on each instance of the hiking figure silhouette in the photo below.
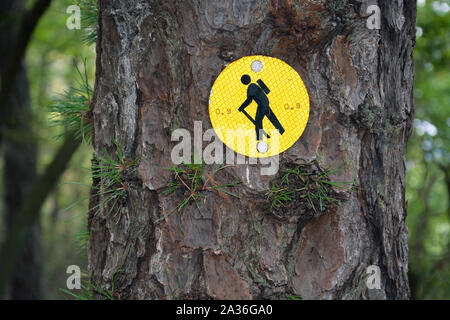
(258, 93)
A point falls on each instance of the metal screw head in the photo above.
(257, 66)
(262, 147)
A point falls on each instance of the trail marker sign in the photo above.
(259, 106)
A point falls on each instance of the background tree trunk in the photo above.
(19, 152)
(156, 63)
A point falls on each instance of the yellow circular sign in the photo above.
(259, 106)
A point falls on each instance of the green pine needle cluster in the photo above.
(302, 185)
(279, 196)
(88, 291)
(89, 19)
(190, 180)
(112, 190)
(82, 239)
(70, 108)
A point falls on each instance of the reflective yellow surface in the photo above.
(288, 100)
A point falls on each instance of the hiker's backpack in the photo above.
(263, 86)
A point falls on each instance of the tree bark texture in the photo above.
(156, 64)
(19, 153)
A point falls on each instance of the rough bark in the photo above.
(157, 61)
(19, 152)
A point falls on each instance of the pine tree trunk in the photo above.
(156, 63)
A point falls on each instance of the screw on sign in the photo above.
(259, 106)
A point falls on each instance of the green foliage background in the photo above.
(51, 59)
(428, 158)
(54, 51)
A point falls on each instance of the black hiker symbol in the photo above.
(258, 93)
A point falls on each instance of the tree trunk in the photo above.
(156, 64)
(19, 152)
